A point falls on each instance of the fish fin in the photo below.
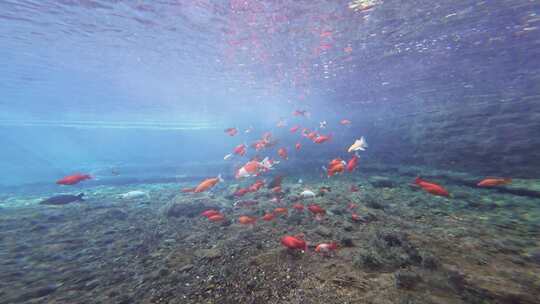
(364, 142)
(80, 196)
(221, 180)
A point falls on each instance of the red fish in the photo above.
(322, 138)
(207, 184)
(298, 146)
(301, 113)
(216, 218)
(352, 206)
(431, 187)
(268, 217)
(492, 182)
(292, 242)
(326, 34)
(240, 150)
(316, 209)
(353, 162)
(246, 220)
(231, 131)
(276, 189)
(283, 153)
(210, 212)
(355, 217)
(345, 122)
(256, 186)
(312, 135)
(73, 179)
(241, 192)
(294, 129)
(298, 207)
(326, 247)
(186, 190)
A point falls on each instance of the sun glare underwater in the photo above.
(258, 151)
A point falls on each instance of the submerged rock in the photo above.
(187, 209)
(323, 231)
(406, 279)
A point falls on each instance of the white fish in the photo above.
(359, 144)
(228, 156)
(134, 194)
(300, 181)
(322, 124)
(307, 193)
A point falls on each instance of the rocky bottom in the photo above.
(407, 246)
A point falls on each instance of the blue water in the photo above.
(138, 94)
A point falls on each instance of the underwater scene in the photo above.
(269, 151)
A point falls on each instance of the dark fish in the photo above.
(276, 182)
(63, 199)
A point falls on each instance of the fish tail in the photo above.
(364, 142)
(507, 180)
(221, 180)
(80, 196)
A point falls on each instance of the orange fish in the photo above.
(268, 217)
(246, 220)
(345, 122)
(298, 146)
(283, 153)
(292, 242)
(280, 210)
(231, 131)
(431, 187)
(216, 218)
(73, 179)
(186, 190)
(355, 217)
(251, 168)
(335, 166)
(492, 182)
(207, 184)
(210, 212)
(294, 129)
(322, 138)
(326, 247)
